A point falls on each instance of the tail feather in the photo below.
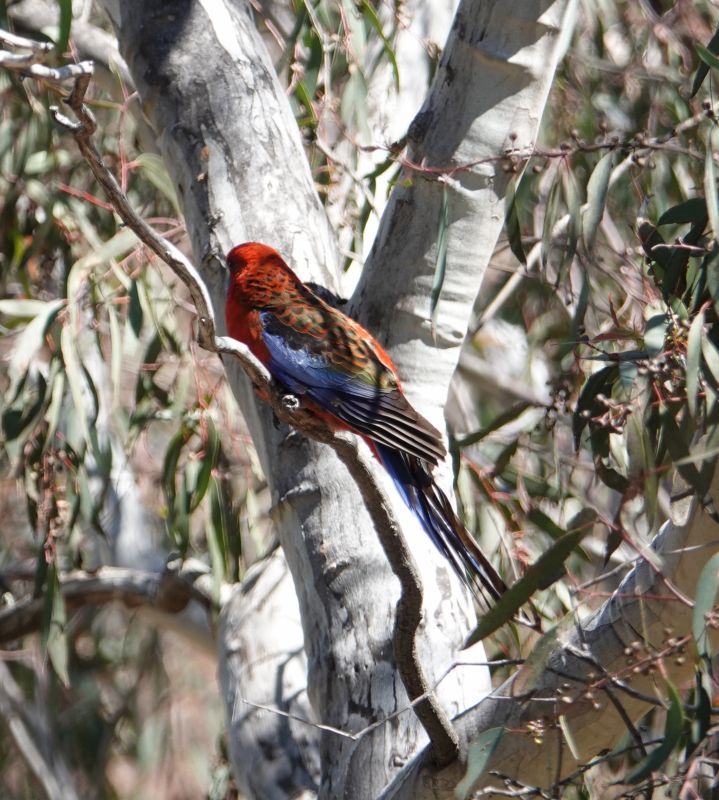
(433, 509)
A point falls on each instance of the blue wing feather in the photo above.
(382, 415)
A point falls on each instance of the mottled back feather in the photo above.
(318, 351)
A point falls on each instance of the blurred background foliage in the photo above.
(589, 380)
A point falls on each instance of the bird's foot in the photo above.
(291, 402)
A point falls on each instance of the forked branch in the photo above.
(409, 608)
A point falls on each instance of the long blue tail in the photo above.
(431, 506)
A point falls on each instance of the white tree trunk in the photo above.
(225, 130)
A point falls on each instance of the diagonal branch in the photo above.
(409, 607)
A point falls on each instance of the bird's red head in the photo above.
(250, 254)
(256, 259)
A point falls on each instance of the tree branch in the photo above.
(168, 591)
(29, 728)
(409, 607)
(632, 637)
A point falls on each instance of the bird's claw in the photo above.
(290, 402)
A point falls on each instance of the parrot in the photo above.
(342, 375)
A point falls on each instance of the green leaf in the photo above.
(207, 464)
(217, 537)
(153, 168)
(441, 263)
(711, 358)
(710, 182)
(704, 601)
(693, 210)
(597, 188)
(371, 16)
(134, 313)
(27, 404)
(545, 523)
(25, 308)
(54, 409)
(650, 237)
(511, 221)
(55, 639)
(63, 34)
(551, 215)
(75, 379)
(498, 422)
(545, 571)
(655, 333)
(574, 227)
(694, 343)
(353, 106)
(600, 382)
(703, 68)
(706, 54)
(32, 338)
(169, 467)
(479, 753)
(672, 734)
(703, 717)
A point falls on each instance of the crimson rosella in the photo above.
(343, 375)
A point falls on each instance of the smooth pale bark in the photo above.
(487, 97)
(261, 636)
(225, 130)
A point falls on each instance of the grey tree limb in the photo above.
(169, 592)
(32, 735)
(234, 122)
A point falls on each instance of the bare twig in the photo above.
(409, 607)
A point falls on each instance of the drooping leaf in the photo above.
(693, 210)
(55, 638)
(134, 313)
(710, 356)
(65, 23)
(551, 216)
(32, 338)
(708, 59)
(441, 262)
(546, 569)
(655, 333)
(513, 226)
(597, 188)
(478, 756)
(704, 601)
(710, 182)
(207, 463)
(672, 734)
(217, 537)
(702, 716)
(600, 382)
(694, 345)
(371, 16)
(153, 168)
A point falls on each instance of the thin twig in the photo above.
(444, 740)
